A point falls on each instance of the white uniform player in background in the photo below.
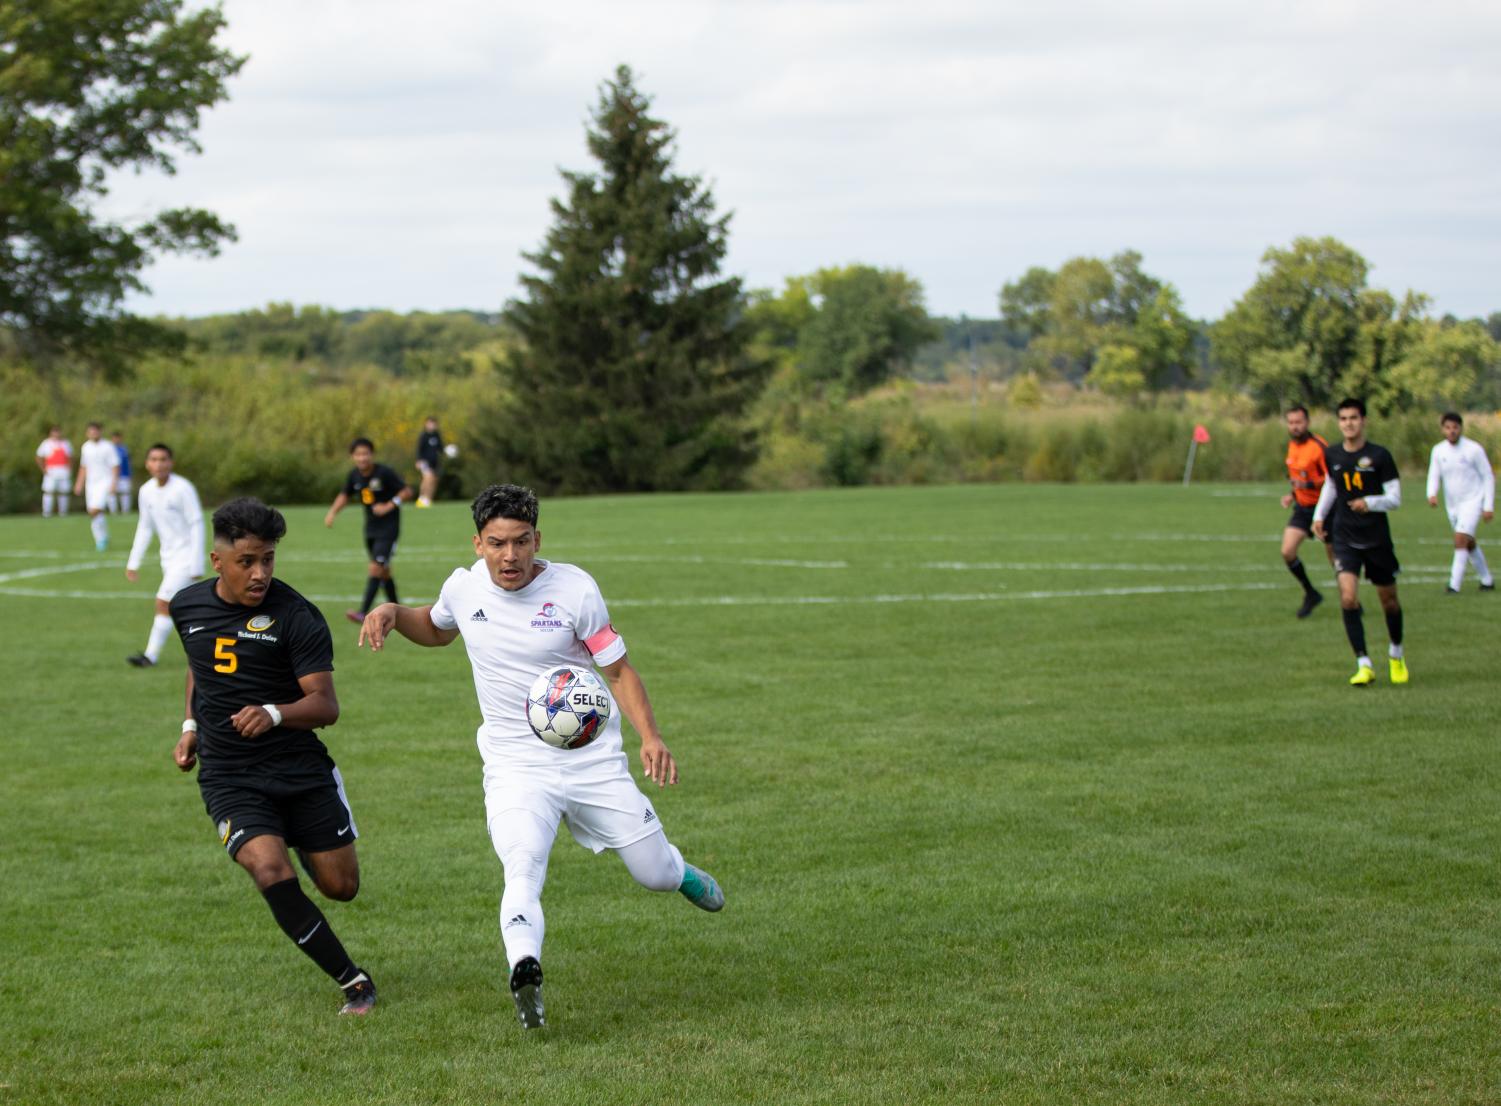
(520, 616)
(1461, 466)
(169, 508)
(55, 458)
(98, 473)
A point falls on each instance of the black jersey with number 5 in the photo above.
(248, 656)
(381, 486)
(1358, 475)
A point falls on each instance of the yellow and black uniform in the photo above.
(383, 485)
(283, 782)
(1361, 540)
(1305, 472)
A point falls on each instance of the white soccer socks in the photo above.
(161, 626)
(1457, 568)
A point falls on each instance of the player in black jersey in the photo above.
(382, 492)
(1360, 488)
(260, 681)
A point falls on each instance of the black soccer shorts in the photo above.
(299, 799)
(381, 550)
(1379, 562)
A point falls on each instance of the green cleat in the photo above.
(700, 888)
(1398, 669)
(526, 992)
(1365, 674)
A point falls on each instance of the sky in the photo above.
(403, 155)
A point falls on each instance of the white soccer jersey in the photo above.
(173, 513)
(99, 460)
(1465, 471)
(512, 637)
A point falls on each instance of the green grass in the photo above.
(1111, 829)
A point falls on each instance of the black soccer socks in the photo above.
(1394, 626)
(1295, 566)
(301, 920)
(1355, 630)
(372, 585)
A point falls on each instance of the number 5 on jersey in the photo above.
(224, 653)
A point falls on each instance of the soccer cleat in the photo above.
(1488, 587)
(1310, 601)
(359, 995)
(1451, 591)
(355, 617)
(526, 993)
(140, 660)
(700, 888)
(423, 503)
(1365, 674)
(1398, 669)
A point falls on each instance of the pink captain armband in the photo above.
(601, 641)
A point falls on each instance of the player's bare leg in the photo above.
(336, 873)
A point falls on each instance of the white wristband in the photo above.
(273, 712)
(189, 725)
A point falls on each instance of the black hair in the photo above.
(1451, 416)
(505, 501)
(248, 518)
(1351, 401)
(366, 442)
(163, 446)
(95, 426)
(1296, 407)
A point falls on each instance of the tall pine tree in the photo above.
(632, 373)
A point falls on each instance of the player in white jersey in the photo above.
(520, 616)
(1461, 466)
(55, 458)
(169, 508)
(98, 474)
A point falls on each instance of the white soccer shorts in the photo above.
(56, 482)
(1464, 517)
(96, 494)
(601, 803)
(173, 581)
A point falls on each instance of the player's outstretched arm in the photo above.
(340, 502)
(626, 686)
(413, 623)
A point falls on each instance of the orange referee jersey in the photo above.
(1306, 469)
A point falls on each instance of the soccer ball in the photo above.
(568, 707)
(451, 449)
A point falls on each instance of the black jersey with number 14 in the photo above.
(1358, 475)
(248, 656)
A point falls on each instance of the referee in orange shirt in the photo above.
(1305, 472)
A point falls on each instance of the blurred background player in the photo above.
(98, 473)
(1360, 489)
(381, 491)
(170, 509)
(429, 461)
(1461, 466)
(1305, 472)
(260, 681)
(55, 458)
(121, 502)
(519, 616)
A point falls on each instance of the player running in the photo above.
(520, 616)
(260, 681)
(55, 458)
(429, 461)
(1460, 464)
(98, 473)
(1305, 472)
(381, 491)
(170, 510)
(1360, 489)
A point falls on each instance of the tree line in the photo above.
(630, 360)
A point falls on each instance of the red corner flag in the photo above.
(1201, 433)
(1201, 436)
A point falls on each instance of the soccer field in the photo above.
(1017, 793)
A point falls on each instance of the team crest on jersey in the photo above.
(1363, 463)
(547, 618)
(260, 623)
(375, 484)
